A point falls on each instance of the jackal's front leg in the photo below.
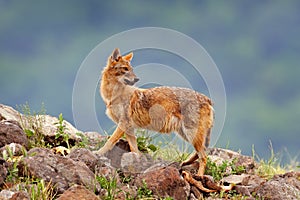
(131, 139)
(118, 133)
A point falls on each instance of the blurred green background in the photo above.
(255, 44)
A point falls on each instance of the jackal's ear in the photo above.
(115, 55)
(128, 57)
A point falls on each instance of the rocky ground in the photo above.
(43, 157)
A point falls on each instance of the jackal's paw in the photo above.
(98, 153)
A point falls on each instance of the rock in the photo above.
(49, 127)
(292, 178)
(3, 170)
(8, 113)
(127, 193)
(234, 179)
(93, 139)
(6, 194)
(133, 163)
(86, 156)
(165, 182)
(219, 155)
(117, 151)
(108, 172)
(11, 132)
(253, 180)
(60, 171)
(281, 187)
(45, 123)
(78, 192)
(276, 190)
(243, 190)
(20, 196)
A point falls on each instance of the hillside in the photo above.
(44, 157)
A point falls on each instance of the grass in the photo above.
(32, 124)
(270, 167)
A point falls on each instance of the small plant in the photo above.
(61, 131)
(171, 152)
(144, 192)
(84, 142)
(110, 185)
(32, 124)
(268, 168)
(144, 142)
(224, 169)
(8, 155)
(38, 189)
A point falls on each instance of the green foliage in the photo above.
(61, 132)
(110, 185)
(171, 152)
(37, 188)
(84, 142)
(41, 190)
(32, 124)
(144, 142)
(270, 167)
(144, 192)
(224, 169)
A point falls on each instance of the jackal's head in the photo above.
(119, 68)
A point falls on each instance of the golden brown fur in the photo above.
(161, 109)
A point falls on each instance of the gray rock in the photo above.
(133, 163)
(86, 156)
(234, 179)
(6, 194)
(281, 187)
(46, 123)
(11, 132)
(219, 155)
(8, 113)
(115, 154)
(60, 171)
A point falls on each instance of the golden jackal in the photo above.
(161, 109)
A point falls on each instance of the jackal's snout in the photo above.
(131, 80)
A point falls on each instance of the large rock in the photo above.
(165, 182)
(219, 155)
(116, 153)
(46, 124)
(8, 113)
(11, 132)
(62, 172)
(78, 192)
(133, 163)
(86, 156)
(281, 187)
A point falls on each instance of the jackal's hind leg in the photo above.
(118, 133)
(203, 160)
